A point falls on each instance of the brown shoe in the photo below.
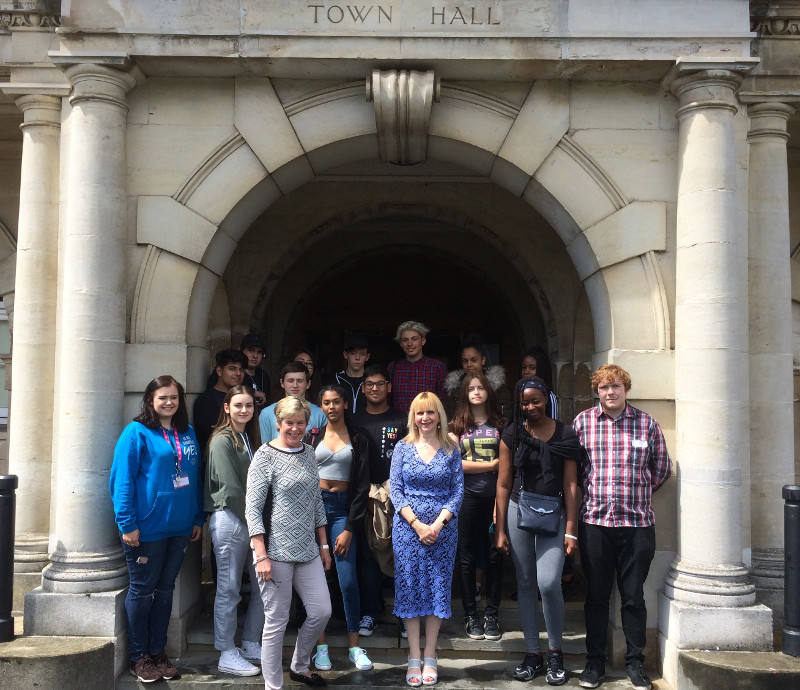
(145, 671)
(164, 666)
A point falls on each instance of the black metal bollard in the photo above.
(791, 577)
(8, 502)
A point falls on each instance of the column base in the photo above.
(710, 584)
(30, 558)
(767, 576)
(687, 627)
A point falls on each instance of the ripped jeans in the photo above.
(153, 567)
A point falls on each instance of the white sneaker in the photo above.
(231, 661)
(322, 661)
(358, 655)
(252, 651)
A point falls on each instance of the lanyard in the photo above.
(176, 448)
(247, 444)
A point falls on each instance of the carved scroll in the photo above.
(403, 101)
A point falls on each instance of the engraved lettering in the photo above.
(339, 10)
(358, 14)
(489, 18)
(316, 9)
(435, 14)
(382, 11)
(458, 15)
(473, 17)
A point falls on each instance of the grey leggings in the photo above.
(538, 562)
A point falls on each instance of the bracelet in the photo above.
(325, 546)
(413, 520)
(260, 558)
(571, 536)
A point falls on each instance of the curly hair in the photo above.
(610, 372)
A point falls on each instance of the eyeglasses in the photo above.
(374, 384)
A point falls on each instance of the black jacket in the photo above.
(359, 478)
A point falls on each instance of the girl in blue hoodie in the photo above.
(157, 493)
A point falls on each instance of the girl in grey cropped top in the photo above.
(344, 482)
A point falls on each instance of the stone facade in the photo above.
(616, 172)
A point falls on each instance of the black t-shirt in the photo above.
(206, 411)
(534, 478)
(382, 431)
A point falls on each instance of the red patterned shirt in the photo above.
(626, 460)
(409, 379)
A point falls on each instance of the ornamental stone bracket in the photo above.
(31, 15)
(775, 18)
(403, 102)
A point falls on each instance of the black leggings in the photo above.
(474, 519)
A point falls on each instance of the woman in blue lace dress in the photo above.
(427, 485)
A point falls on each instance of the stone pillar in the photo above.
(771, 385)
(85, 553)
(708, 599)
(31, 414)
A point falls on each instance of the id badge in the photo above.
(180, 480)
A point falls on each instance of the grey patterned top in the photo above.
(297, 508)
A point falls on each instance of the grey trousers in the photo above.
(538, 561)
(309, 581)
(232, 550)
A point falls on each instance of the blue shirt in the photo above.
(269, 425)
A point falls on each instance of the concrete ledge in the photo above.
(54, 663)
(738, 671)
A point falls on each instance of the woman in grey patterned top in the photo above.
(284, 514)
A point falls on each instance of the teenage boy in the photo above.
(294, 381)
(417, 372)
(356, 356)
(230, 368)
(626, 460)
(254, 347)
(383, 426)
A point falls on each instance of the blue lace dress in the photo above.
(423, 574)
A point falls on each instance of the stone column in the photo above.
(31, 414)
(708, 596)
(85, 553)
(771, 389)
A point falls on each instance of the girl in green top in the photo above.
(230, 451)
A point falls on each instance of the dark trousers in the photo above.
(474, 519)
(628, 552)
(370, 577)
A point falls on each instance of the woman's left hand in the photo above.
(325, 556)
(342, 545)
(197, 532)
(570, 546)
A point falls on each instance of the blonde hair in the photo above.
(429, 401)
(289, 405)
(417, 326)
(611, 372)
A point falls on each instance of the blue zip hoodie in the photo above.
(142, 489)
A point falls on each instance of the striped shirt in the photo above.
(297, 508)
(626, 460)
(409, 379)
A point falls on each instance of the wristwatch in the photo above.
(444, 522)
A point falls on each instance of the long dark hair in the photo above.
(544, 368)
(462, 418)
(517, 418)
(225, 425)
(344, 395)
(147, 414)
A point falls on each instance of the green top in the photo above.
(226, 474)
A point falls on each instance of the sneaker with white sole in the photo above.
(252, 651)
(358, 655)
(403, 631)
(322, 661)
(231, 661)
(367, 626)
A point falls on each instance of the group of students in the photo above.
(288, 490)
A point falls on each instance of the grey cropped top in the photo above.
(334, 466)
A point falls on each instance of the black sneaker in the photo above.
(590, 678)
(639, 679)
(530, 666)
(555, 668)
(403, 631)
(473, 627)
(491, 628)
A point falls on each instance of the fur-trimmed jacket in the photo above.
(497, 378)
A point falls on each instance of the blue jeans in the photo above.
(336, 512)
(153, 567)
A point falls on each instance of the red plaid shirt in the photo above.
(409, 379)
(626, 460)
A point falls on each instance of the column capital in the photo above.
(768, 119)
(96, 82)
(39, 110)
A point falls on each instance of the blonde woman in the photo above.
(427, 485)
(286, 520)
